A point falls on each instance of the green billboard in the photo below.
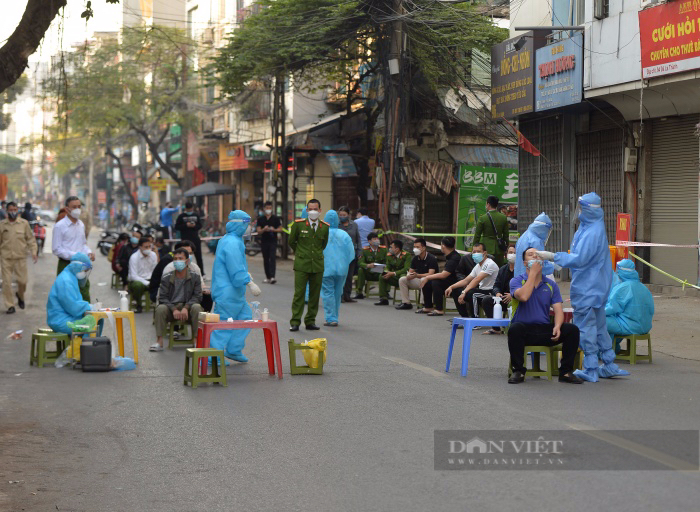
(476, 183)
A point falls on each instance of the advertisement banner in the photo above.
(476, 183)
(559, 74)
(512, 76)
(232, 157)
(670, 38)
(158, 185)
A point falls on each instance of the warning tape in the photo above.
(650, 244)
(683, 282)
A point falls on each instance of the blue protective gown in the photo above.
(591, 276)
(630, 306)
(337, 256)
(535, 236)
(229, 280)
(65, 303)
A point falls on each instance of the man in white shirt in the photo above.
(365, 225)
(68, 238)
(141, 266)
(478, 284)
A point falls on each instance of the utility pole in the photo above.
(91, 184)
(283, 157)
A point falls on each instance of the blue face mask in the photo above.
(134, 240)
(531, 263)
(478, 257)
(179, 265)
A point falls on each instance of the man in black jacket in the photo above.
(125, 254)
(188, 223)
(501, 288)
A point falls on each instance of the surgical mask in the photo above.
(134, 240)
(511, 258)
(343, 218)
(416, 251)
(531, 263)
(478, 257)
(374, 242)
(75, 213)
(179, 265)
(12, 215)
(268, 212)
(146, 252)
(313, 214)
(83, 274)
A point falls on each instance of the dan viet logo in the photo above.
(538, 451)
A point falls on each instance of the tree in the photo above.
(8, 97)
(38, 15)
(129, 87)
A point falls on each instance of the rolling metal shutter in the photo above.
(674, 197)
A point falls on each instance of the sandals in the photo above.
(491, 331)
(422, 311)
(435, 313)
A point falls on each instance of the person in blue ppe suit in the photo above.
(536, 236)
(591, 277)
(337, 256)
(230, 279)
(630, 306)
(65, 303)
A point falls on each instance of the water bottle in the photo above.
(256, 311)
(497, 309)
(510, 311)
(124, 300)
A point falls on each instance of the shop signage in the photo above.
(512, 77)
(476, 183)
(558, 76)
(158, 185)
(670, 38)
(232, 157)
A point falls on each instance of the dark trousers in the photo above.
(439, 287)
(428, 295)
(462, 308)
(521, 334)
(347, 289)
(488, 303)
(269, 252)
(473, 299)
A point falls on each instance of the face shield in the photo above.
(549, 229)
(582, 202)
(84, 273)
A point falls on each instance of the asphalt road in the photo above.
(359, 437)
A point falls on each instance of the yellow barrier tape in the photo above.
(683, 282)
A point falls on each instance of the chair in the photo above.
(38, 352)
(218, 370)
(115, 281)
(630, 354)
(180, 342)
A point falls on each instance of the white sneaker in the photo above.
(156, 348)
(266, 280)
(273, 280)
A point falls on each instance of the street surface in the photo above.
(359, 437)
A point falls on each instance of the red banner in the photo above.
(623, 232)
(670, 38)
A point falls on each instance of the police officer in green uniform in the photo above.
(375, 253)
(398, 262)
(487, 235)
(308, 238)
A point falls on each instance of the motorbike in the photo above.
(107, 240)
(39, 229)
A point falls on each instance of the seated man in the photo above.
(630, 306)
(141, 266)
(125, 254)
(165, 266)
(397, 264)
(441, 281)
(469, 292)
(423, 265)
(179, 298)
(65, 303)
(501, 288)
(371, 255)
(533, 296)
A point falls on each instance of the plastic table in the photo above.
(119, 316)
(272, 342)
(469, 324)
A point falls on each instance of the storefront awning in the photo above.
(300, 137)
(488, 156)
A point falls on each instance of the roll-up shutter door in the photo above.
(674, 197)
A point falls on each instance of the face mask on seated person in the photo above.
(416, 251)
(179, 265)
(511, 258)
(134, 240)
(478, 257)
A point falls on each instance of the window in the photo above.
(190, 22)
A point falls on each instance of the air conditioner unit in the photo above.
(208, 35)
(650, 3)
(601, 9)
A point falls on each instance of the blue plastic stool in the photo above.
(469, 324)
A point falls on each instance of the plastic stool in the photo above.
(303, 370)
(145, 301)
(39, 354)
(192, 357)
(630, 354)
(115, 281)
(180, 342)
(551, 358)
(368, 287)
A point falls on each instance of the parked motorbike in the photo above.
(107, 240)
(39, 229)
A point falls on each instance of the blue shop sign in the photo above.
(559, 74)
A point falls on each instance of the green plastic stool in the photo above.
(145, 301)
(115, 281)
(417, 295)
(630, 354)
(39, 354)
(192, 357)
(181, 342)
(368, 287)
(578, 359)
(537, 371)
(303, 370)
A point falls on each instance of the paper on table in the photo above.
(378, 268)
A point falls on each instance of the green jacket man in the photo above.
(398, 262)
(486, 235)
(375, 253)
(308, 238)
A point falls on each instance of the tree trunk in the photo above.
(24, 41)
